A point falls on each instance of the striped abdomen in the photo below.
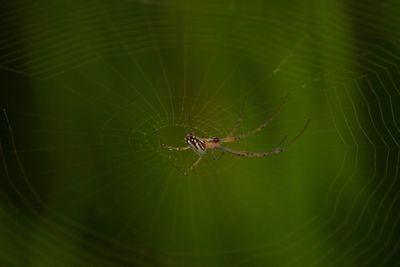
(196, 144)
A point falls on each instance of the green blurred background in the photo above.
(89, 90)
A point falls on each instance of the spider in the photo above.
(201, 145)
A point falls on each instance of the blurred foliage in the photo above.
(91, 89)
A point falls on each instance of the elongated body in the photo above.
(200, 145)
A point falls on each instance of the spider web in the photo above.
(91, 90)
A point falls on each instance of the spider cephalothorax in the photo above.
(201, 145)
(213, 140)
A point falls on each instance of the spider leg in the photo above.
(194, 165)
(299, 134)
(175, 148)
(167, 146)
(276, 150)
(217, 158)
(221, 155)
(259, 128)
(239, 153)
(239, 119)
(282, 141)
(213, 154)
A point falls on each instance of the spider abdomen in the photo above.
(196, 144)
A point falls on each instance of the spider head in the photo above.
(214, 139)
